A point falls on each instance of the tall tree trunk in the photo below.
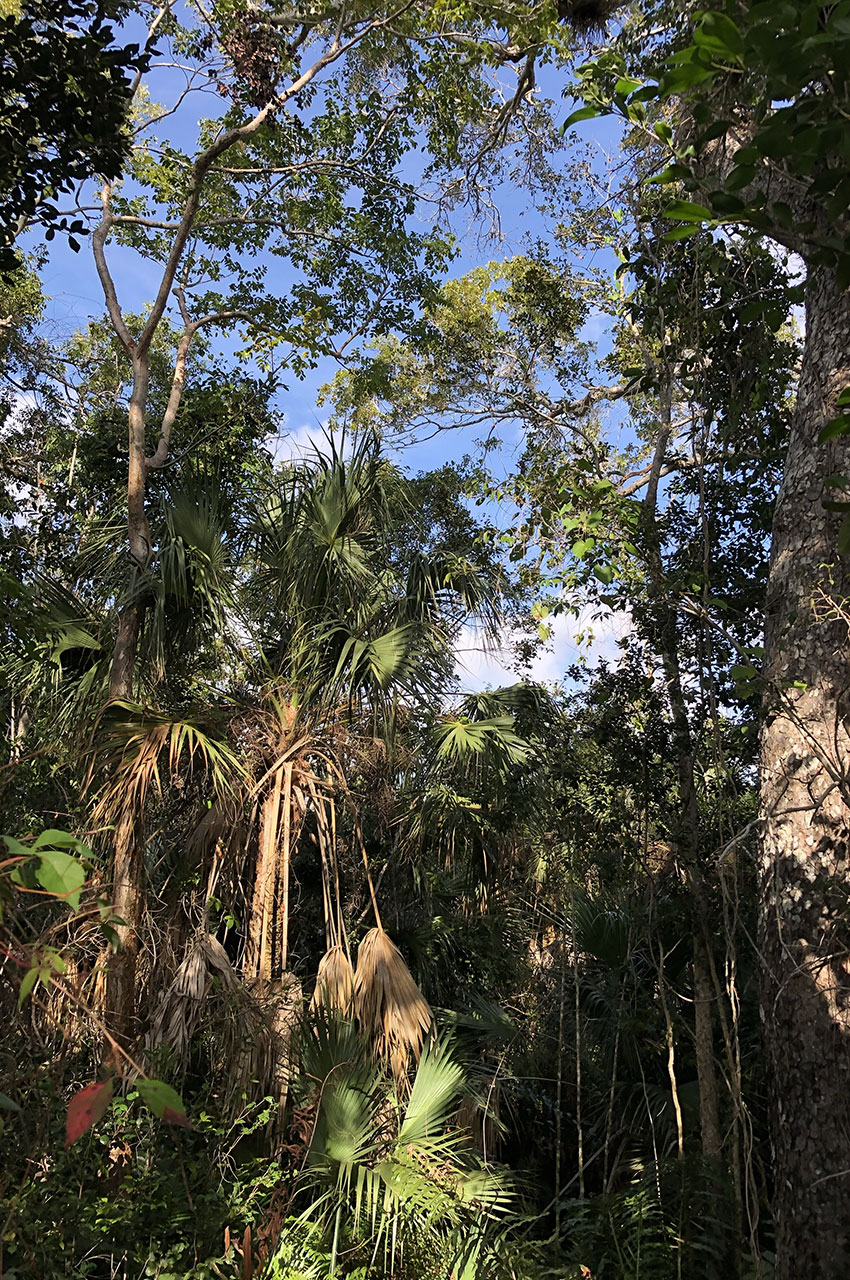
(709, 1102)
(138, 535)
(805, 755)
(128, 852)
(127, 900)
(665, 637)
(124, 652)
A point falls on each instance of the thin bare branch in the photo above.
(108, 284)
(228, 139)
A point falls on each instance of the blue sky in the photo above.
(71, 284)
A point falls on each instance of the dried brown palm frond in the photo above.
(270, 1062)
(334, 982)
(217, 831)
(204, 964)
(248, 1030)
(389, 1006)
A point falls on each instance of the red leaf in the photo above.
(86, 1108)
(176, 1117)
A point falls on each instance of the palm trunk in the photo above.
(805, 754)
(257, 963)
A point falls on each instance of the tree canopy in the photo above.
(426, 830)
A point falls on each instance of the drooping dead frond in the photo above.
(181, 1007)
(334, 982)
(248, 1029)
(389, 1006)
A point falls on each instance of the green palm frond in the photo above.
(346, 620)
(601, 929)
(381, 661)
(459, 739)
(58, 650)
(192, 584)
(133, 744)
(523, 699)
(449, 586)
(439, 1080)
(396, 1177)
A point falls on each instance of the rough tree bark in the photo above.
(805, 852)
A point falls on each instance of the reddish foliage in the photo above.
(176, 1117)
(86, 1108)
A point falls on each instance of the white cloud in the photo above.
(305, 441)
(573, 639)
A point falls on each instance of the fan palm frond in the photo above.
(136, 743)
(440, 582)
(59, 659)
(521, 699)
(401, 1177)
(193, 583)
(438, 1082)
(459, 739)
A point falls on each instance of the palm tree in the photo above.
(393, 1178)
(350, 632)
(273, 653)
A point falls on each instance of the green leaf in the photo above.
(843, 543)
(55, 839)
(741, 176)
(29, 980)
(111, 936)
(743, 674)
(163, 1101)
(626, 85)
(685, 77)
(61, 875)
(717, 33)
(662, 130)
(15, 848)
(7, 1103)
(839, 426)
(673, 173)
(582, 113)
(688, 211)
(681, 233)
(604, 573)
